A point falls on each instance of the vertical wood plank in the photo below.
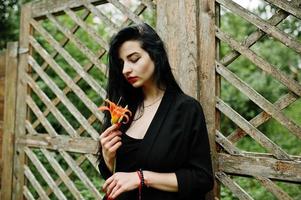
(21, 109)
(176, 25)
(207, 75)
(9, 120)
(2, 85)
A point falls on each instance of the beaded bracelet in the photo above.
(140, 185)
(142, 178)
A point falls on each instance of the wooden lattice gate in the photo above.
(276, 164)
(61, 74)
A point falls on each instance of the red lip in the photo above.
(132, 79)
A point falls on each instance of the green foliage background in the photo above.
(270, 49)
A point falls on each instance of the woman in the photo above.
(163, 152)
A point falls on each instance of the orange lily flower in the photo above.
(117, 112)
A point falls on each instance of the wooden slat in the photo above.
(251, 130)
(34, 136)
(77, 145)
(68, 172)
(293, 85)
(139, 10)
(273, 188)
(87, 28)
(45, 7)
(38, 113)
(126, 11)
(75, 88)
(72, 62)
(44, 173)
(262, 117)
(233, 186)
(56, 113)
(35, 183)
(27, 193)
(274, 31)
(8, 146)
(287, 6)
(80, 118)
(81, 174)
(60, 171)
(226, 144)
(255, 36)
(256, 165)
(101, 16)
(258, 99)
(83, 48)
(149, 3)
(66, 90)
(64, 41)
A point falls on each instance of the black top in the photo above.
(176, 141)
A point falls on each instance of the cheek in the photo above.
(147, 68)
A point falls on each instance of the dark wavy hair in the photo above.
(118, 87)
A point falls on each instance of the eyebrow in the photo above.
(130, 55)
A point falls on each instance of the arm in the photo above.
(196, 176)
(161, 181)
(122, 182)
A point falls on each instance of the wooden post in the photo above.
(207, 76)
(187, 28)
(2, 86)
(9, 120)
(21, 109)
(176, 25)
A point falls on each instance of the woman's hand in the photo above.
(110, 141)
(121, 182)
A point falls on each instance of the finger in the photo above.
(106, 183)
(104, 140)
(109, 130)
(117, 190)
(111, 187)
(115, 147)
(114, 141)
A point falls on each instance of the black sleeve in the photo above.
(196, 177)
(103, 169)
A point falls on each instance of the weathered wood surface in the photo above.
(290, 83)
(273, 188)
(257, 165)
(234, 187)
(21, 109)
(45, 7)
(81, 119)
(287, 6)
(257, 135)
(2, 89)
(9, 120)
(274, 31)
(258, 99)
(71, 61)
(262, 117)
(181, 41)
(66, 143)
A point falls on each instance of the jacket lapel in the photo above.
(154, 128)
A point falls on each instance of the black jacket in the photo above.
(176, 141)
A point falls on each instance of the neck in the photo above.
(152, 94)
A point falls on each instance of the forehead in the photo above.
(129, 47)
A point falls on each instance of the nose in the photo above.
(126, 68)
